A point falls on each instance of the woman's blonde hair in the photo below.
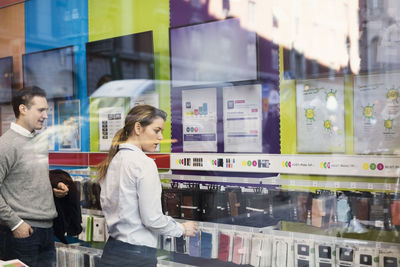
(144, 114)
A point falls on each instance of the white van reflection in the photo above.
(126, 88)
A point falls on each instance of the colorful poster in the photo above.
(69, 137)
(7, 117)
(111, 119)
(320, 115)
(376, 113)
(242, 118)
(199, 120)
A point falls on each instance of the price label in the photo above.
(337, 184)
(370, 186)
(292, 182)
(388, 186)
(315, 184)
(224, 179)
(353, 185)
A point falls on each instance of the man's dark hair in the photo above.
(24, 96)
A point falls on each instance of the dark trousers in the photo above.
(37, 250)
(118, 253)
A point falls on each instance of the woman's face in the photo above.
(151, 135)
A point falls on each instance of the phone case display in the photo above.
(180, 244)
(199, 120)
(190, 204)
(258, 210)
(194, 245)
(77, 256)
(240, 247)
(366, 257)
(225, 246)
(168, 243)
(256, 250)
(242, 118)
(395, 211)
(320, 115)
(345, 255)
(111, 119)
(282, 252)
(324, 254)
(69, 120)
(99, 229)
(7, 117)
(171, 199)
(389, 258)
(87, 230)
(376, 113)
(266, 254)
(323, 209)
(90, 194)
(304, 253)
(215, 205)
(268, 248)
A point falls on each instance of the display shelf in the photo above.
(278, 181)
(374, 238)
(224, 180)
(387, 238)
(231, 227)
(167, 263)
(80, 247)
(340, 185)
(92, 159)
(337, 165)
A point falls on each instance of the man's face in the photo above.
(36, 114)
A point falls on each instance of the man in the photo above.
(27, 207)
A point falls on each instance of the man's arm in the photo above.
(8, 216)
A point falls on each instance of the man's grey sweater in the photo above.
(25, 189)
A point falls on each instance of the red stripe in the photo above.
(162, 160)
(82, 159)
(96, 158)
(69, 159)
(4, 3)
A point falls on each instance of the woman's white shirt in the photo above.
(131, 199)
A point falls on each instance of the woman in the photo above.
(131, 193)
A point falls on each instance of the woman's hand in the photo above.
(190, 228)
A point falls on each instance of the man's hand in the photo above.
(23, 231)
(61, 190)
